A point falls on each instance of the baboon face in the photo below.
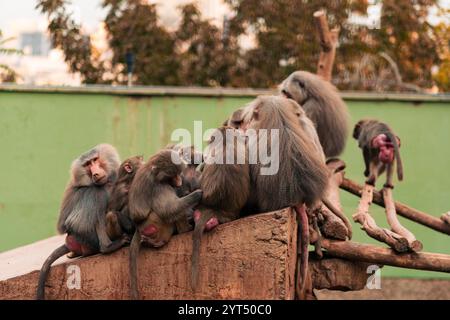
(130, 166)
(293, 87)
(96, 166)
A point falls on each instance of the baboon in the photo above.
(155, 206)
(83, 210)
(225, 182)
(302, 175)
(323, 105)
(190, 179)
(380, 147)
(118, 216)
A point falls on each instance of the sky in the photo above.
(16, 16)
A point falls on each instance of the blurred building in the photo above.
(34, 43)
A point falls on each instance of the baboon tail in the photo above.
(134, 253)
(196, 241)
(303, 243)
(55, 255)
(398, 159)
(339, 214)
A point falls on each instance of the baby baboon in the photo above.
(155, 206)
(225, 185)
(380, 148)
(323, 105)
(190, 179)
(118, 216)
(82, 215)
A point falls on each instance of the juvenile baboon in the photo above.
(323, 105)
(225, 185)
(118, 216)
(155, 206)
(82, 215)
(380, 147)
(190, 179)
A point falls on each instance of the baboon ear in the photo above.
(160, 175)
(357, 129)
(256, 113)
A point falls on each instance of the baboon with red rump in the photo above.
(83, 211)
(155, 206)
(225, 182)
(381, 148)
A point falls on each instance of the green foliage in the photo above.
(7, 74)
(284, 37)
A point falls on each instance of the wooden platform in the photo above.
(251, 258)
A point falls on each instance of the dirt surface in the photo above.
(395, 289)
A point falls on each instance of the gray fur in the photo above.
(323, 105)
(302, 175)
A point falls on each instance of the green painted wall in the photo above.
(41, 133)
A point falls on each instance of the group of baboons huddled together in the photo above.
(107, 204)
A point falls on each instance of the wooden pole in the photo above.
(328, 43)
(414, 244)
(446, 218)
(331, 225)
(385, 256)
(362, 216)
(401, 209)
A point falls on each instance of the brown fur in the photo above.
(365, 131)
(323, 105)
(302, 175)
(118, 216)
(82, 215)
(152, 193)
(226, 188)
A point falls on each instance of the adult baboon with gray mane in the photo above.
(323, 105)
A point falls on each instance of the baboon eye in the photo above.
(300, 83)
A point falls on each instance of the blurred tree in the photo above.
(259, 45)
(66, 34)
(207, 54)
(286, 38)
(442, 76)
(407, 37)
(7, 74)
(133, 27)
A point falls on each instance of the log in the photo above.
(328, 43)
(338, 274)
(385, 256)
(330, 225)
(362, 216)
(401, 209)
(250, 258)
(413, 244)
